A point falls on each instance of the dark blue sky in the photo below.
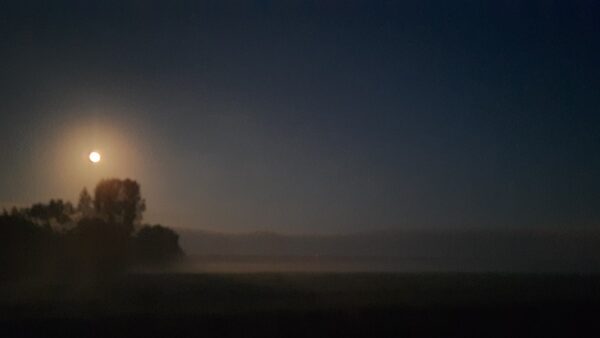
(316, 116)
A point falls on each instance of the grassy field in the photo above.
(308, 304)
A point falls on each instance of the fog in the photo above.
(393, 251)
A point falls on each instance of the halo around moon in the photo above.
(95, 157)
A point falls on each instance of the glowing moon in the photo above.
(95, 157)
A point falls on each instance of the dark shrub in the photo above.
(26, 249)
(157, 244)
(99, 247)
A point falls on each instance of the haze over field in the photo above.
(394, 251)
(299, 168)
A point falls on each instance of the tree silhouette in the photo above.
(157, 244)
(56, 212)
(100, 248)
(86, 204)
(120, 202)
(98, 242)
(26, 248)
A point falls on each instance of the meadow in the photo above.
(308, 304)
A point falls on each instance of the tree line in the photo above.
(101, 236)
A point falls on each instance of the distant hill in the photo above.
(534, 251)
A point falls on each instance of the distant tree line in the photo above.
(99, 237)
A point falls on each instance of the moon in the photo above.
(95, 157)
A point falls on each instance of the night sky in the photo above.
(309, 117)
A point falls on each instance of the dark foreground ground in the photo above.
(307, 305)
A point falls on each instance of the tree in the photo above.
(157, 244)
(85, 205)
(26, 248)
(55, 212)
(99, 247)
(120, 202)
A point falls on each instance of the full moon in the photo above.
(95, 157)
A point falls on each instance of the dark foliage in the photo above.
(157, 244)
(55, 212)
(26, 248)
(86, 204)
(95, 240)
(101, 247)
(120, 202)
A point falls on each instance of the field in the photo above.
(308, 304)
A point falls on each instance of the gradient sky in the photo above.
(315, 116)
